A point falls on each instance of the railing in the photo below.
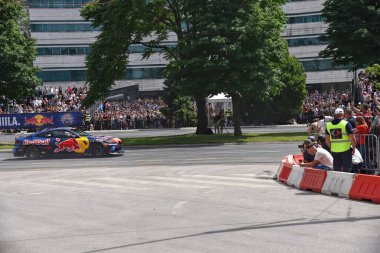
(369, 147)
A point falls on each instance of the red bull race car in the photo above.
(60, 141)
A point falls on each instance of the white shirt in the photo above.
(322, 124)
(324, 157)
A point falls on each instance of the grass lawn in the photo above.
(206, 139)
(217, 138)
(6, 146)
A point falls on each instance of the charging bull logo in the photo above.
(336, 133)
(39, 120)
(69, 145)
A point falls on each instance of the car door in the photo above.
(69, 142)
(46, 141)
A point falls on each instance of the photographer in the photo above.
(307, 157)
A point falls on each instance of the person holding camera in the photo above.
(322, 158)
(307, 157)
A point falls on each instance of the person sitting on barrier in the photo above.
(307, 157)
(322, 158)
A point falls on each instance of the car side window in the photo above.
(45, 135)
(59, 134)
(70, 134)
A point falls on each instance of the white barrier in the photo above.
(289, 158)
(295, 176)
(338, 183)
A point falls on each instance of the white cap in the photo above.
(338, 111)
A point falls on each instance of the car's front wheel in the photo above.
(97, 150)
(32, 152)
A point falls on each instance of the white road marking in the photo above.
(79, 182)
(178, 206)
(233, 178)
(149, 182)
(211, 182)
(71, 188)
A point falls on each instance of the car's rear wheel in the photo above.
(97, 150)
(32, 152)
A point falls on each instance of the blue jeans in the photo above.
(322, 167)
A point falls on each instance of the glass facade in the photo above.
(306, 19)
(80, 75)
(86, 50)
(63, 50)
(305, 42)
(321, 65)
(68, 27)
(57, 3)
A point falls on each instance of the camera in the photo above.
(300, 146)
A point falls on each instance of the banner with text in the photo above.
(40, 120)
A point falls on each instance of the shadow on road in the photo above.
(293, 223)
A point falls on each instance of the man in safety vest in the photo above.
(341, 140)
(229, 117)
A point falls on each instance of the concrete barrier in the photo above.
(338, 183)
(296, 176)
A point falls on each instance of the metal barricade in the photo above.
(369, 148)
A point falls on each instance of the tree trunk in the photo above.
(202, 123)
(236, 114)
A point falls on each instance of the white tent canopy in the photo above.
(219, 102)
(221, 97)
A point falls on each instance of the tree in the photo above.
(17, 52)
(373, 73)
(353, 32)
(223, 46)
(285, 105)
(235, 47)
(124, 23)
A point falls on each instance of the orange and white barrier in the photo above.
(338, 183)
(296, 176)
(348, 185)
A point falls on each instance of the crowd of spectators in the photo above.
(141, 113)
(318, 104)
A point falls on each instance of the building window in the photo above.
(57, 3)
(310, 41)
(322, 65)
(80, 75)
(306, 19)
(79, 27)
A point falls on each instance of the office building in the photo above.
(63, 40)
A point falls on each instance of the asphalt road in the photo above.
(217, 198)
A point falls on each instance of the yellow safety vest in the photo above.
(228, 113)
(340, 141)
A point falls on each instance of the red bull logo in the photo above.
(39, 120)
(69, 145)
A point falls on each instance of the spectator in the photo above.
(348, 116)
(362, 131)
(322, 158)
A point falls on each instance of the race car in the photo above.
(60, 141)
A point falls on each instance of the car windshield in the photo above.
(80, 132)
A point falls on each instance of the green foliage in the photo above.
(17, 53)
(353, 32)
(374, 74)
(124, 23)
(286, 104)
(179, 108)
